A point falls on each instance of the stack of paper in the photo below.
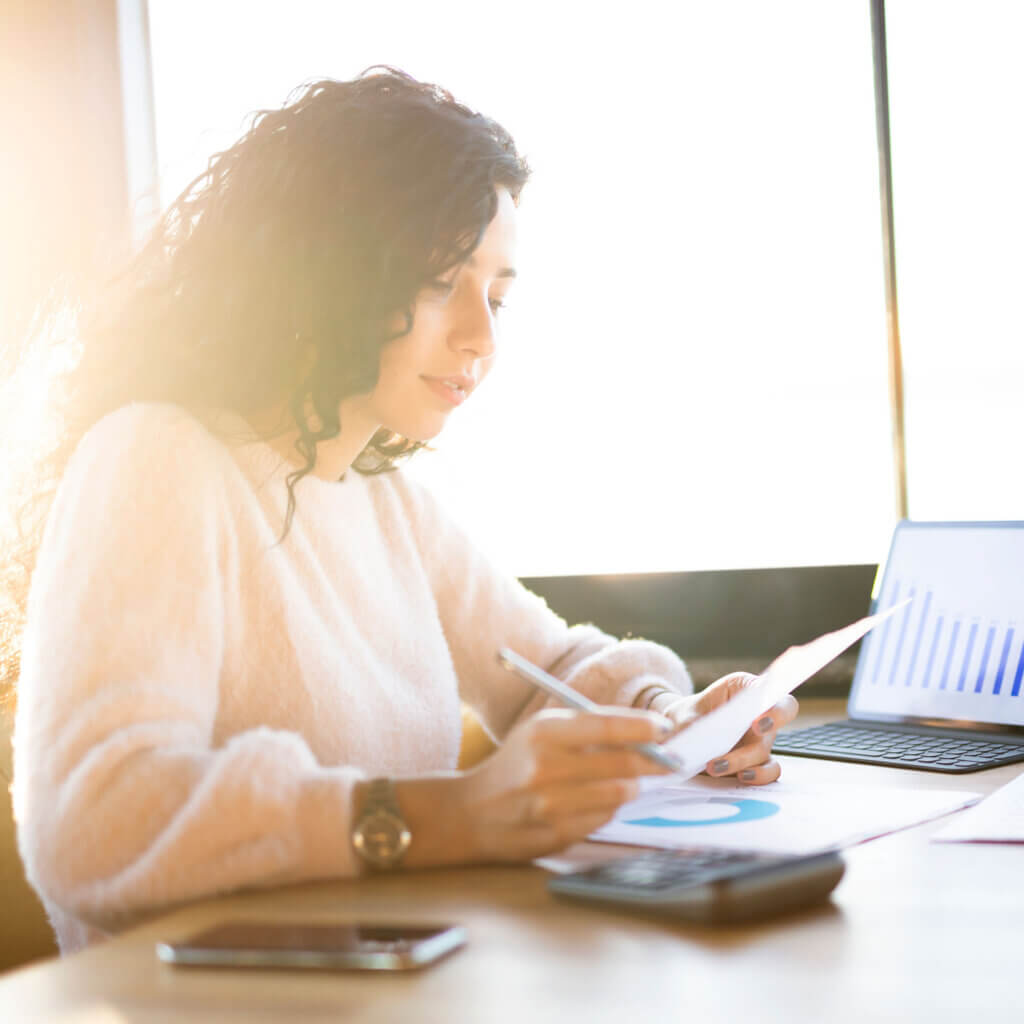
(780, 818)
(999, 818)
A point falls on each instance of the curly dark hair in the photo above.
(272, 278)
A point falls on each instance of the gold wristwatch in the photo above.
(380, 836)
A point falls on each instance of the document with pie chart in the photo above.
(780, 818)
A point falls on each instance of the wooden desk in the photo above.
(915, 932)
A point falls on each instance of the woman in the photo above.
(246, 642)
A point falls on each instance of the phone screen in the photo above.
(284, 944)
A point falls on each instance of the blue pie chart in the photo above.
(735, 810)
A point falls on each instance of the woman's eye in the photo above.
(496, 305)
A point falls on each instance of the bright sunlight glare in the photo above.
(693, 367)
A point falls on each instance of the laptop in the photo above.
(938, 686)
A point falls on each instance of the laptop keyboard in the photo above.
(843, 741)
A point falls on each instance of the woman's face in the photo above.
(428, 373)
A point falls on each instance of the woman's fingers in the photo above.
(583, 746)
(728, 686)
(559, 775)
(742, 757)
(568, 800)
(759, 774)
(613, 728)
(561, 764)
(559, 746)
(777, 716)
(750, 768)
(764, 730)
(750, 761)
(721, 690)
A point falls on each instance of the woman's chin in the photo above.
(421, 430)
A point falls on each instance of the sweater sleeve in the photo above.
(482, 608)
(122, 800)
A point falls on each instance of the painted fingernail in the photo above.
(765, 725)
(721, 765)
(747, 775)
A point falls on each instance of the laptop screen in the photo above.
(955, 655)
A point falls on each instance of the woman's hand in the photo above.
(557, 777)
(751, 759)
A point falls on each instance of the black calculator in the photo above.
(706, 885)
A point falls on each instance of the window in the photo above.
(693, 364)
(955, 85)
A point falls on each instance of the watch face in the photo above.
(381, 838)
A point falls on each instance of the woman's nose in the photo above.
(474, 328)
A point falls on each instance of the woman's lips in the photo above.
(454, 390)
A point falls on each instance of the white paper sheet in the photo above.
(720, 730)
(780, 818)
(999, 818)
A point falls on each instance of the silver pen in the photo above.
(572, 698)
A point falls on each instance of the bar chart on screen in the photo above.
(957, 649)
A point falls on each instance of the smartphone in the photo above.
(706, 886)
(366, 947)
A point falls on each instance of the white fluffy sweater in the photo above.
(196, 700)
